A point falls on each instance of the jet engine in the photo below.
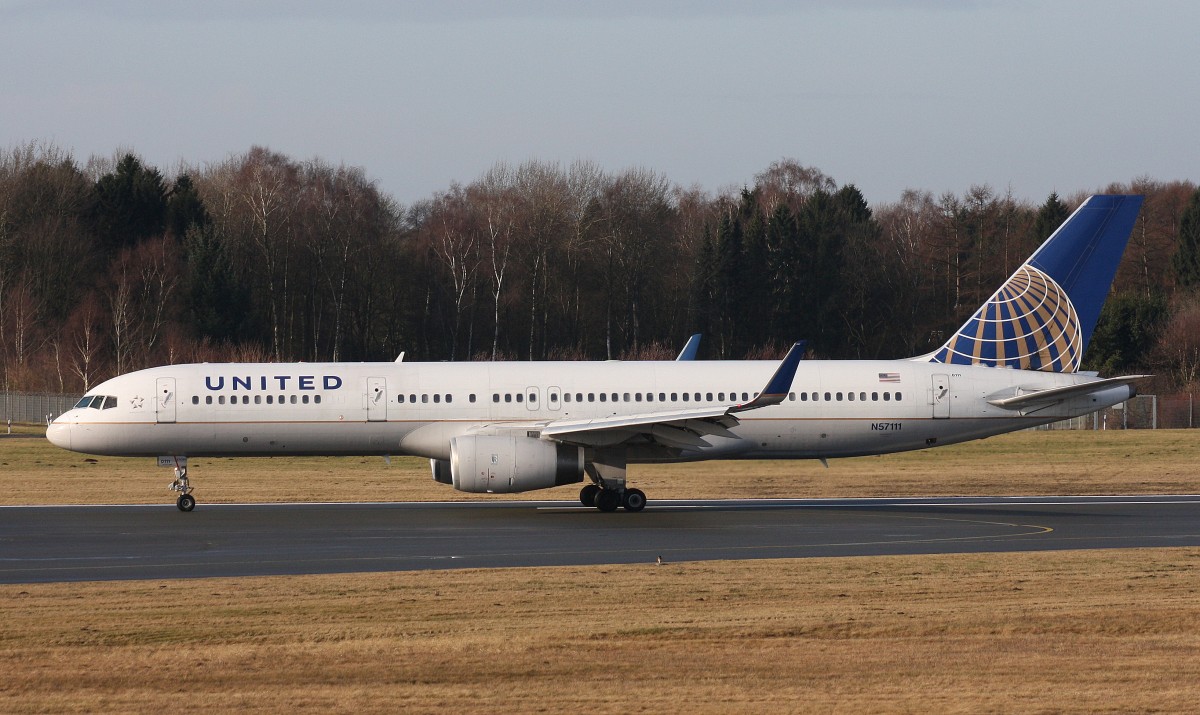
(508, 464)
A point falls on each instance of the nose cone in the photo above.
(59, 434)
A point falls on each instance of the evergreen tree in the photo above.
(755, 302)
(184, 208)
(1050, 216)
(703, 303)
(217, 302)
(728, 282)
(822, 233)
(1186, 261)
(790, 321)
(129, 205)
(1126, 331)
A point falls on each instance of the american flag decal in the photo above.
(889, 377)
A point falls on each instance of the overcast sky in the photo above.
(937, 95)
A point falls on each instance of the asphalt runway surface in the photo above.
(86, 543)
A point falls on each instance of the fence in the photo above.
(33, 407)
(1142, 412)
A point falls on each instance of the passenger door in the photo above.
(164, 400)
(377, 399)
(941, 397)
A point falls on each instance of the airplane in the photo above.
(505, 427)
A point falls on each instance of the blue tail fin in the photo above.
(1043, 316)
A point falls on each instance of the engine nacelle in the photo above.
(503, 465)
(441, 471)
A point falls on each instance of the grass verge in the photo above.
(1094, 631)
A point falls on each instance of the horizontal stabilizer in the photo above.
(1059, 394)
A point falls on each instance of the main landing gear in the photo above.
(611, 499)
(185, 502)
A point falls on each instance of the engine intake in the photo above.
(502, 465)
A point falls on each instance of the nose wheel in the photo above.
(185, 502)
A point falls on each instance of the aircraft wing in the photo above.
(683, 429)
(1055, 395)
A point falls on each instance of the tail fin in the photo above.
(1043, 316)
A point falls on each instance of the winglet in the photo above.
(780, 383)
(690, 349)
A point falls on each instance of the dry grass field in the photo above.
(1082, 631)
(32, 471)
(1102, 631)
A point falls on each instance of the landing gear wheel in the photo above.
(587, 495)
(634, 500)
(607, 500)
(186, 502)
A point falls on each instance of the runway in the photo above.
(85, 543)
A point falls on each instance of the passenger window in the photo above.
(221, 400)
(637, 397)
(850, 396)
(697, 396)
(591, 397)
(424, 398)
(258, 399)
(828, 397)
(533, 397)
(566, 397)
(862, 396)
(270, 399)
(520, 397)
(708, 397)
(317, 399)
(614, 397)
(685, 397)
(674, 397)
(195, 399)
(305, 399)
(603, 397)
(662, 397)
(791, 396)
(495, 397)
(874, 397)
(208, 399)
(898, 395)
(412, 398)
(293, 399)
(887, 396)
(471, 398)
(627, 397)
(437, 398)
(721, 396)
(400, 399)
(449, 399)
(245, 399)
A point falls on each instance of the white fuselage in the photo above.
(834, 408)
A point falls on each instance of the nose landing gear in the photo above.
(185, 502)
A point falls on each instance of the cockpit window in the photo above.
(97, 402)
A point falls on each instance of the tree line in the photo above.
(114, 265)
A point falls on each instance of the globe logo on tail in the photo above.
(1029, 324)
